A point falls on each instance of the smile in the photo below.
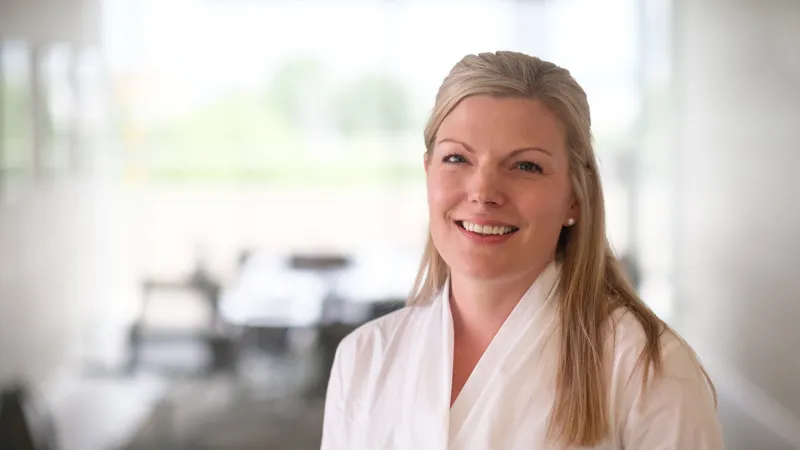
(486, 230)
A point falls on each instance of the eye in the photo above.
(454, 158)
(527, 166)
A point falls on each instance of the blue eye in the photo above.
(454, 158)
(527, 166)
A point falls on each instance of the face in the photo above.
(498, 187)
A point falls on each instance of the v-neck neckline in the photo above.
(486, 368)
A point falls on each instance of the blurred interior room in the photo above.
(200, 198)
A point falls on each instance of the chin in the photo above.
(483, 269)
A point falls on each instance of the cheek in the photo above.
(443, 194)
(543, 209)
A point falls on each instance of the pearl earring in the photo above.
(570, 222)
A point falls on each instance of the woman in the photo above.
(521, 331)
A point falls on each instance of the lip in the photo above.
(484, 239)
(494, 223)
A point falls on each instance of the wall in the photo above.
(73, 21)
(737, 87)
(46, 263)
(55, 253)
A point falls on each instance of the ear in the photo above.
(573, 213)
(426, 157)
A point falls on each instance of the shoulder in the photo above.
(375, 337)
(629, 340)
(673, 407)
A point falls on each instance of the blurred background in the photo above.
(200, 198)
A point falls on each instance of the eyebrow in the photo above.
(468, 148)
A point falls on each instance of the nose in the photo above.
(485, 188)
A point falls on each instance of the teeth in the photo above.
(487, 229)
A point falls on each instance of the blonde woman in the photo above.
(521, 331)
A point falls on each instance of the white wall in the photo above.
(58, 255)
(737, 88)
(46, 263)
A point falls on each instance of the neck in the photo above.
(480, 306)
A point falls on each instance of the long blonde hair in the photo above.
(592, 283)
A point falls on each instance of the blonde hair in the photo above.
(592, 283)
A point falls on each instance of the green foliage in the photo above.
(17, 111)
(17, 127)
(297, 90)
(233, 121)
(263, 135)
(373, 103)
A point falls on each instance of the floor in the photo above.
(104, 411)
(272, 403)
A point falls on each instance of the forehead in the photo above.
(504, 123)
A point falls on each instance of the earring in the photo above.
(570, 222)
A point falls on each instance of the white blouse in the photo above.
(391, 382)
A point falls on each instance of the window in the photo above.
(302, 111)
(17, 157)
